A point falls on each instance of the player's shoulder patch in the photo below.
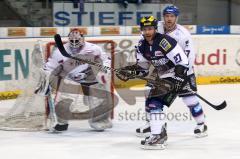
(165, 44)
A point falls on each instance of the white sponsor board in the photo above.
(217, 55)
(102, 14)
(234, 29)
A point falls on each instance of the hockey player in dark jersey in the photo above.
(170, 63)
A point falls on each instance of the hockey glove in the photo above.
(131, 72)
(125, 74)
(180, 77)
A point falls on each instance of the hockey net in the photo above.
(30, 111)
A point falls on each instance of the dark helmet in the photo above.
(171, 10)
(148, 21)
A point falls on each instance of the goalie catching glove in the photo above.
(131, 72)
(42, 87)
(46, 79)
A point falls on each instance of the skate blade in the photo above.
(201, 135)
(142, 135)
(154, 147)
(54, 131)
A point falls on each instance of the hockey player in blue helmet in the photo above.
(170, 27)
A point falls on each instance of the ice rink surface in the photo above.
(120, 142)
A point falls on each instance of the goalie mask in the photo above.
(76, 39)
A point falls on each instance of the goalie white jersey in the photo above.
(73, 69)
(183, 37)
(80, 98)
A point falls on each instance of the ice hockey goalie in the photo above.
(83, 91)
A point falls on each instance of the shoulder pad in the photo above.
(183, 31)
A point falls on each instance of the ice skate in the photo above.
(155, 141)
(144, 130)
(200, 130)
(59, 127)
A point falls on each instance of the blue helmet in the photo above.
(171, 10)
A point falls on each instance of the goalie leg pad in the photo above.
(101, 125)
(101, 105)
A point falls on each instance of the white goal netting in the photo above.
(28, 112)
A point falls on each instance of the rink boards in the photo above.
(217, 60)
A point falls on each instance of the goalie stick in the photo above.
(158, 83)
(50, 101)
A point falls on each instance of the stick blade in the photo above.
(221, 106)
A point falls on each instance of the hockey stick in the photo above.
(52, 113)
(50, 101)
(217, 107)
(159, 82)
